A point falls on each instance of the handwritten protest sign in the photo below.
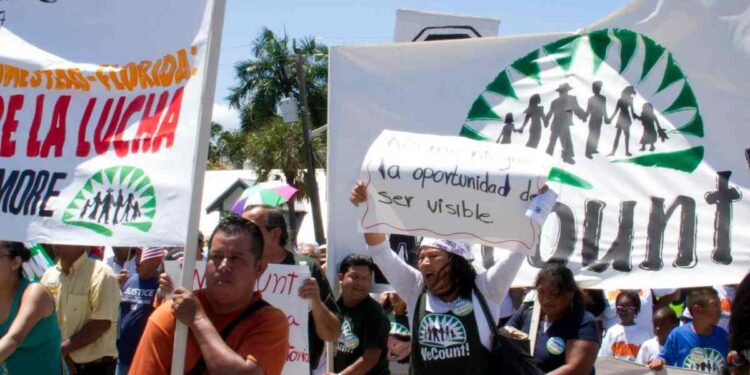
(452, 187)
(279, 285)
(98, 129)
(174, 267)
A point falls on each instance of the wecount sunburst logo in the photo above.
(114, 198)
(399, 329)
(441, 331)
(607, 97)
(704, 360)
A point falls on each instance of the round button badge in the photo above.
(462, 307)
(555, 345)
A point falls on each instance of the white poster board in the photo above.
(279, 286)
(99, 112)
(452, 187)
(667, 216)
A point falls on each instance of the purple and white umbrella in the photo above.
(270, 193)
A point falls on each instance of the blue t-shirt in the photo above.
(549, 352)
(687, 349)
(135, 308)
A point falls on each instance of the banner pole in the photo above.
(202, 133)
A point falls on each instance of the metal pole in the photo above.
(311, 181)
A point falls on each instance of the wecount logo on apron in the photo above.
(441, 337)
(441, 331)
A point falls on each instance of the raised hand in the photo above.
(359, 193)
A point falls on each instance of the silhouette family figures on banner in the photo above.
(559, 119)
(119, 209)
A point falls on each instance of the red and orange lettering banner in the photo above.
(99, 108)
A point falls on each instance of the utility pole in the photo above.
(311, 181)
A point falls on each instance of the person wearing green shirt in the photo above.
(362, 347)
(29, 334)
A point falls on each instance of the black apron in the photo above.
(446, 344)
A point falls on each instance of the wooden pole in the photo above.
(202, 135)
(311, 181)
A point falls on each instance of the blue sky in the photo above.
(349, 22)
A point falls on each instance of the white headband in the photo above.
(459, 248)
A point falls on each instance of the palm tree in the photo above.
(271, 75)
(280, 146)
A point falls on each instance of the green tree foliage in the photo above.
(226, 149)
(271, 74)
(280, 146)
(261, 82)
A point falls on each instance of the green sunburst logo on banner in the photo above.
(641, 98)
(111, 198)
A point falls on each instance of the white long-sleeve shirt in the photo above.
(649, 351)
(492, 283)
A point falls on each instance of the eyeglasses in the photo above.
(623, 309)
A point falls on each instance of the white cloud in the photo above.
(229, 118)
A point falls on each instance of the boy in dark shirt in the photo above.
(137, 304)
(362, 347)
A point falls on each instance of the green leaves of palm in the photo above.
(271, 74)
(280, 146)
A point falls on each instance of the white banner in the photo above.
(647, 107)
(614, 366)
(452, 187)
(279, 286)
(99, 105)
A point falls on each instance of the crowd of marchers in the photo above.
(88, 315)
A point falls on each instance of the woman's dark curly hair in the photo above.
(462, 274)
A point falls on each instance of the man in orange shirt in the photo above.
(231, 329)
